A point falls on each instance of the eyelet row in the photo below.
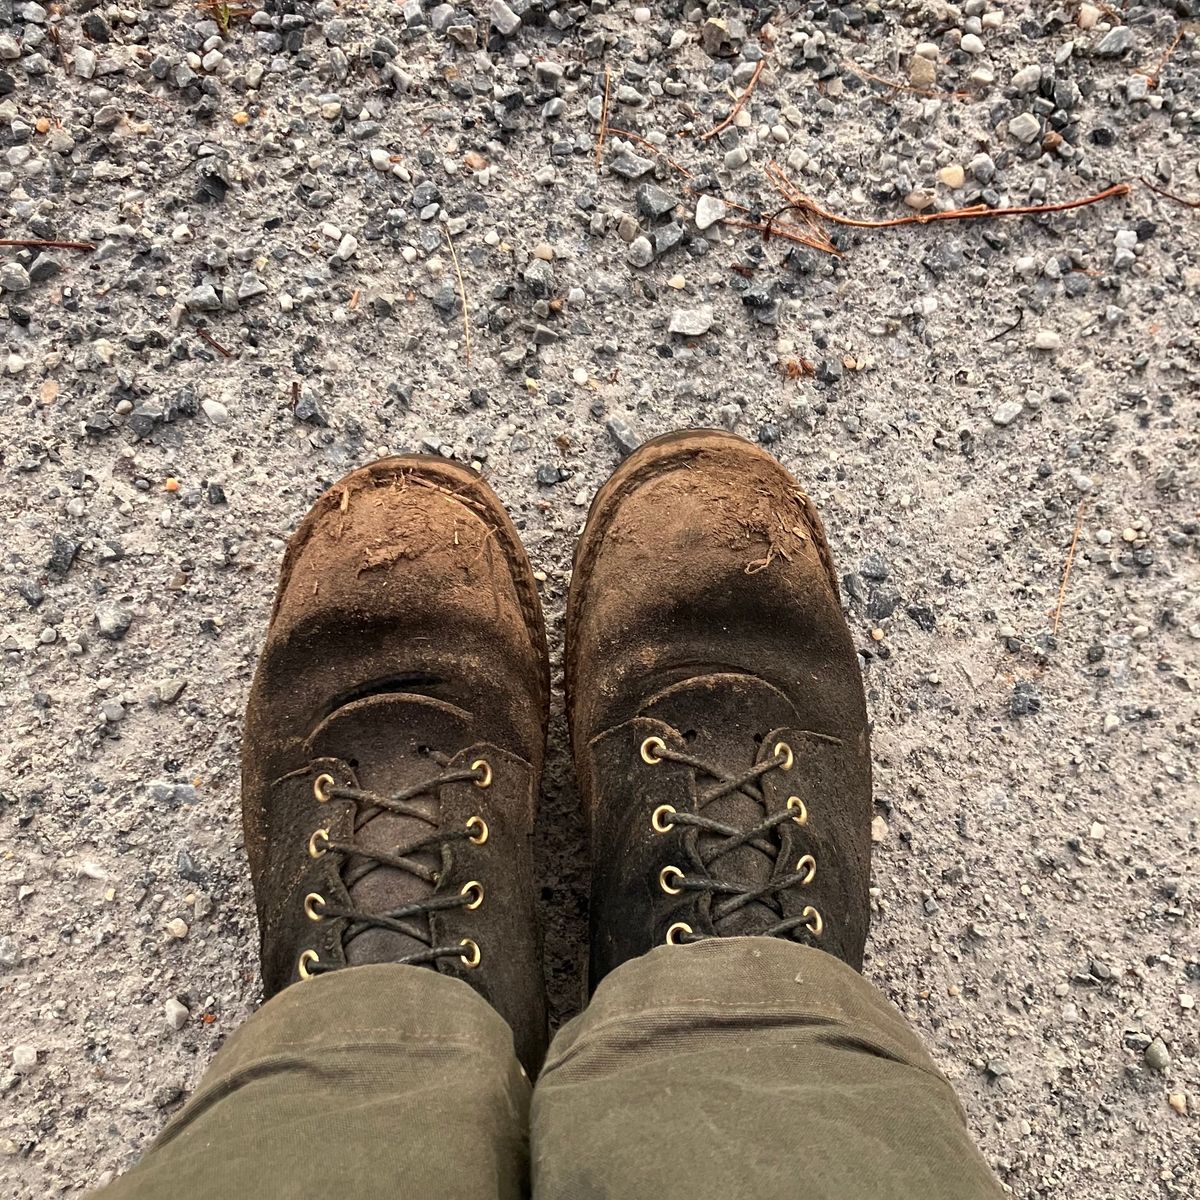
(471, 959)
(670, 878)
(318, 846)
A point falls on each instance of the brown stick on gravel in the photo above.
(975, 212)
(641, 141)
(1071, 561)
(208, 338)
(462, 292)
(812, 213)
(903, 87)
(737, 104)
(1062, 591)
(602, 132)
(789, 233)
(1158, 191)
(42, 244)
(1153, 78)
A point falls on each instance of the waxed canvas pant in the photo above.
(741, 1067)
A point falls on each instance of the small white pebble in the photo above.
(176, 1014)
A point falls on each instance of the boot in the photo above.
(716, 708)
(394, 741)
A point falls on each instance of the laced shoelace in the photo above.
(724, 839)
(359, 862)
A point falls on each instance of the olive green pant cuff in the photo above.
(747, 1067)
(372, 1082)
(738, 1067)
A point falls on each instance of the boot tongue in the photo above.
(389, 740)
(723, 719)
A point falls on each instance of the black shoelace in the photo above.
(723, 839)
(411, 919)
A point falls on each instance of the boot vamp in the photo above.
(716, 563)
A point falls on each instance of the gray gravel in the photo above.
(272, 300)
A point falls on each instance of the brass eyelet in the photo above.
(315, 847)
(321, 786)
(652, 743)
(310, 906)
(656, 819)
(667, 874)
(808, 864)
(675, 930)
(307, 959)
(482, 764)
(801, 817)
(812, 919)
(479, 825)
(475, 956)
(786, 750)
(474, 889)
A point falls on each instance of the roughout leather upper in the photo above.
(406, 635)
(704, 609)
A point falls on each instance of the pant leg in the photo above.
(372, 1082)
(747, 1067)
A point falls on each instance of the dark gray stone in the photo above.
(653, 202)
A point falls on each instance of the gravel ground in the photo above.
(272, 195)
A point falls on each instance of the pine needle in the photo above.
(462, 293)
(737, 104)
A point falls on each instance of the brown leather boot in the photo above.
(716, 708)
(394, 741)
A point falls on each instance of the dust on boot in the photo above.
(716, 708)
(394, 741)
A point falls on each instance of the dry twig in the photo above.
(1158, 191)
(975, 212)
(40, 243)
(462, 293)
(208, 338)
(903, 87)
(1153, 78)
(737, 104)
(602, 132)
(1009, 328)
(812, 214)
(1062, 591)
(789, 233)
(641, 141)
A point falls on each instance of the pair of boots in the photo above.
(396, 726)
